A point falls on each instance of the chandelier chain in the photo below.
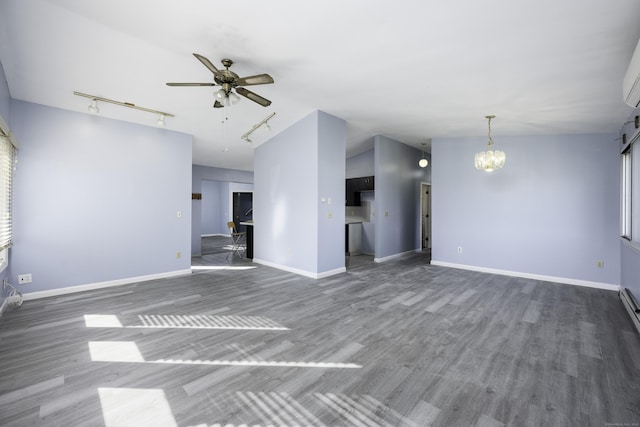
(490, 139)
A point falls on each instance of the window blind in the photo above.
(7, 160)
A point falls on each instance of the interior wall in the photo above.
(360, 165)
(553, 210)
(397, 198)
(288, 211)
(96, 199)
(332, 139)
(212, 213)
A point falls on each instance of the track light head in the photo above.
(161, 120)
(93, 107)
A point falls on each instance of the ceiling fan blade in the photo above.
(253, 96)
(258, 79)
(208, 64)
(191, 84)
(217, 104)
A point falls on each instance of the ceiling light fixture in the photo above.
(423, 162)
(94, 106)
(264, 121)
(490, 160)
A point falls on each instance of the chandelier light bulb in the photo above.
(490, 160)
(423, 163)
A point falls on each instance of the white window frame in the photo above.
(7, 163)
(625, 196)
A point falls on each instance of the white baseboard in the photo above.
(215, 235)
(564, 280)
(301, 272)
(395, 256)
(26, 296)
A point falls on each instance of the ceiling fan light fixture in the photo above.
(93, 107)
(233, 98)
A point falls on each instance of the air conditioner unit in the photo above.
(631, 82)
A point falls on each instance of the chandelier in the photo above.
(490, 160)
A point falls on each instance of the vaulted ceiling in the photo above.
(410, 70)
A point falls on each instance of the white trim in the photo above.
(99, 285)
(626, 301)
(4, 259)
(564, 280)
(5, 304)
(301, 272)
(394, 256)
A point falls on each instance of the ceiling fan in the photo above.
(229, 81)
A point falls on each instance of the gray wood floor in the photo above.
(401, 343)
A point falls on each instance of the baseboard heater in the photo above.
(631, 304)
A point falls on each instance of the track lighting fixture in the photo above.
(94, 106)
(264, 122)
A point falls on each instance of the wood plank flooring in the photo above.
(400, 343)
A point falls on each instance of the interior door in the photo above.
(426, 216)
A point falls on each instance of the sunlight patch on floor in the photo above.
(128, 352)
(135, 407)
(186, 321)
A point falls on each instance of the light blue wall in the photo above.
(198, 174)
(361, 165)
(212, 218)
(97, 199)
(331, 185)
(293, 171)
(397, 198)
(553, 210)
(5, 97)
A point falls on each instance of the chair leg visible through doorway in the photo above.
(237, 240)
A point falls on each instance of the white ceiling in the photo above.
(411, 70)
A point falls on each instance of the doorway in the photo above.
(425, 215)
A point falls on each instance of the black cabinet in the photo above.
(356, 185)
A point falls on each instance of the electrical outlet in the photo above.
(179, 214)
(459, 249)
(600, 263)
(24, 278)
(178, 255)
(330, 214)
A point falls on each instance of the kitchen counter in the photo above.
(249, 238)
(353, 220)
